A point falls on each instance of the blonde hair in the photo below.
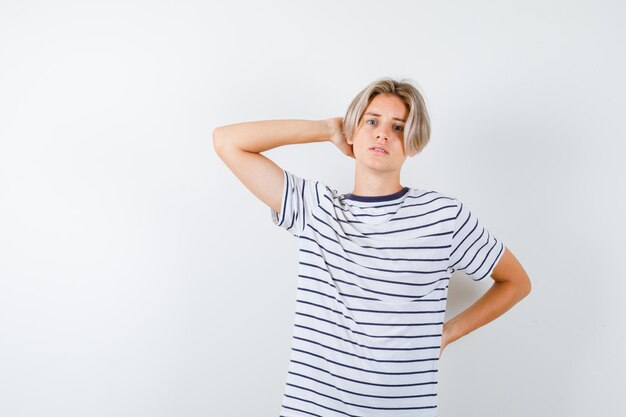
(417, 128)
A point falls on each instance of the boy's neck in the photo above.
(368, 183)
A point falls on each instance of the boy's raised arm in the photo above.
(240, 145)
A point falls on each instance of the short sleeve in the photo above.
(299, 198)
(475, 250)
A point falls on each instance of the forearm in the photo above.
(259, 136)
(495, 302)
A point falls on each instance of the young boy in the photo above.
(374, 263)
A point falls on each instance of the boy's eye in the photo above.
(401, 128)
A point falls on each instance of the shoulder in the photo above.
(425, 195)
(312, 189)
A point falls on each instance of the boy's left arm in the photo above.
(510, 286)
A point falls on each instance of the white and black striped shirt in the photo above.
(372, 289)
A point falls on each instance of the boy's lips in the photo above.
(375, 149)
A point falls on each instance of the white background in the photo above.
(139, 277)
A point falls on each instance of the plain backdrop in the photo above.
(139, 277)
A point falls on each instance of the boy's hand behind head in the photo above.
(335, 127)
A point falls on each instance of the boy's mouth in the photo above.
(379, 149)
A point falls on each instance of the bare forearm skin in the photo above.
(262, 135)
(495, 302)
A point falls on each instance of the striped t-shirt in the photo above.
(371, 296)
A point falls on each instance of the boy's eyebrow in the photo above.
(378, 115)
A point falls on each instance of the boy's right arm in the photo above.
(240, 145)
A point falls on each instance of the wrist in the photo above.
(450, 331)
(325, 130)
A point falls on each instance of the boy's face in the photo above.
(382, 125)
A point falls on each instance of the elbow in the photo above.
(519, 285)
(216, 137)
(525, 286)
(218, 140)
(224, 140)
